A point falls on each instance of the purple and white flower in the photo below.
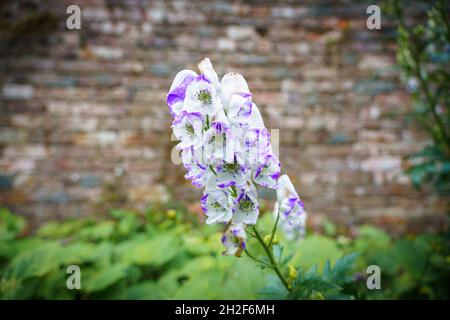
(289, 204)
(234, 240)
(195, 165)
(177, 92)
(217, 205)
(201, 97)
(239, 108)
(232, 83)
(230, 175)
(268, 172)
(236, 98)
(225, 149)
(188, 127)
(246, 208)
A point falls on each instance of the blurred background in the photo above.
(84, 127)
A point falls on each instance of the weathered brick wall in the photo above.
(84, 121)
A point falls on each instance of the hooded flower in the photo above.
(246, 208)
(217, 205)
(201, 97)
(234, 239)
(236, 98)
(232, 83)
(267, 172)
(188, 127)
(177, 92)
(230, 174)
(289, 204)
(239, 108)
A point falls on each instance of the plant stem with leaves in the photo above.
(269, 253)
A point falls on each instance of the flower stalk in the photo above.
(273, 262)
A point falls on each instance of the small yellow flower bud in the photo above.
(292, 272)
(275, 240)
(267, 239)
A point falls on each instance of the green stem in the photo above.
(274, 264)
(257, 260)
(274, 230)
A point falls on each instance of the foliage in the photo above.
(411, 267)
(165, 254)
(123, 256)
(424, 56)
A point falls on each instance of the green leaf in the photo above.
(155, 251)
(148, 290)
(310, 281)
(274, 290)
(339, 274)
(35, 263)
(101, 279)
(315, 249)
(10, 225)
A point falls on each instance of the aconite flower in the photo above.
(225, 149)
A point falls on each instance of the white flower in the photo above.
(239, 108)
(246, 209)
(230, 174)
(202, 97)
(236, 98)
(217, 205)
(188, 127)
(289, 204)
(234, 240)
(267, 172)
(232, 83)
(233, 148)
(177, 92)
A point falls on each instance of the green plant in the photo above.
(411, 266)
(295, 280)
(126, 255)
(424, 57)
(165, 254)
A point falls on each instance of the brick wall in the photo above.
(84, 122)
